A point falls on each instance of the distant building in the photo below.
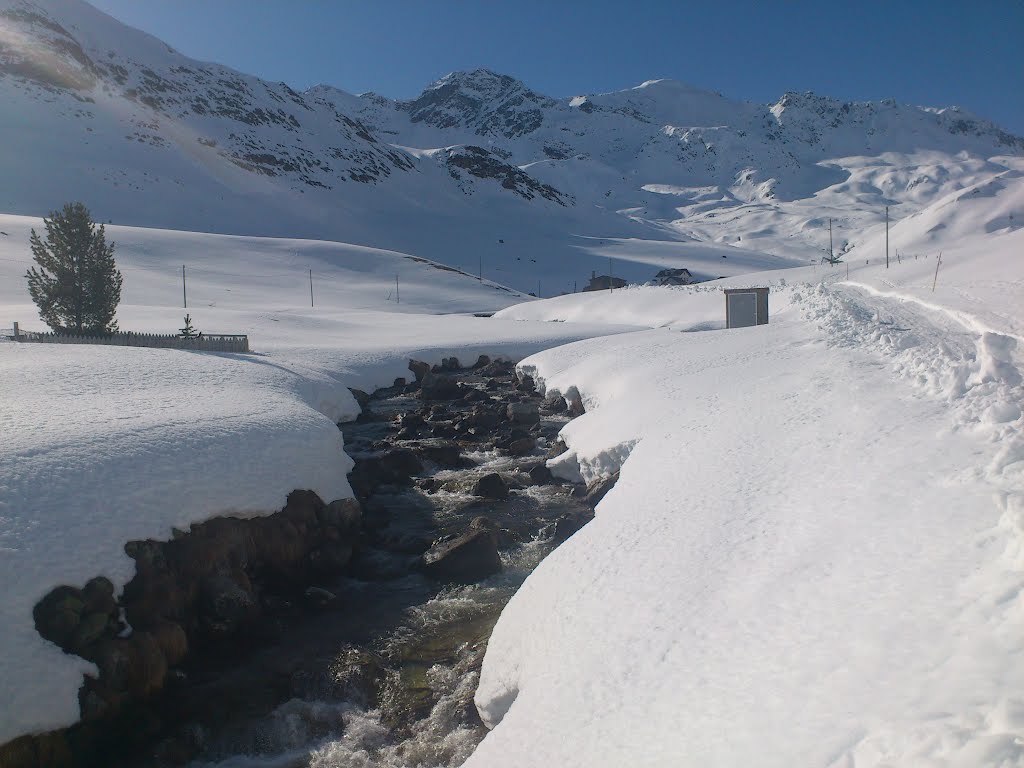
(673, 277)
(604, 282)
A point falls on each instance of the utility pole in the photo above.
(887, 237)
(311, 287)
(398, 298)
(184, 296)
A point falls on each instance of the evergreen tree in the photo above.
(76, 286)
(188, 332)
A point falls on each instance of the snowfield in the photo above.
(103, 445)
(813, 555)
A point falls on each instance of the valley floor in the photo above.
(813, 555)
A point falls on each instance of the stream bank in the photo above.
(348, 633)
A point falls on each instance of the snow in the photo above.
(813, 555)
(103, 445)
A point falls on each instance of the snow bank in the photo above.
(102, 445)
(813, 555)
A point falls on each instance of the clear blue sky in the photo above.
(937, 53)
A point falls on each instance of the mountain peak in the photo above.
(485, 102)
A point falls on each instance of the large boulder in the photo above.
(522, 446)
(491, 486)
(524, 413)
(437, 387)
(419, 369)
(468, 558)
(540, 474)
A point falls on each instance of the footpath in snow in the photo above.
(813, 555)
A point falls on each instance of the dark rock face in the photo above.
(485, 164)
(203, 588)
(468, 558)
(491, 486)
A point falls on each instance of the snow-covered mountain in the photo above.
(479, 171)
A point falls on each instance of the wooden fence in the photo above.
(207, 342)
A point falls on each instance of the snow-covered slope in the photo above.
(813, 555)
(479, 170)
(102, 445)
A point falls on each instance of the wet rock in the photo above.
(540, 474)
(428, 484)
(330, 557)
(375, 564)
(497, 368)
(526, 384)
(362, 398)
(344, 515)
(419, 369)
(90, 629)
(481, 362)
(597, 490)
(438, 387)
(522, 446)
(576, 407)
(396, 467)
(399, 382)
(172, 641)
(467, 558)
(558, 405)
(226, 605)
(566, 525)
(484, 417)
(444, 430)
(319, 595)
(58, 614)
(448, 456)
(451, 364)
(557, 449)
(474, 395)
(135, 665)
(99, 596)
(523, 413)
(491, 486)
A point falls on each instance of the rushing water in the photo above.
(384, 675)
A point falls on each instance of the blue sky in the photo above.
(933, 53)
